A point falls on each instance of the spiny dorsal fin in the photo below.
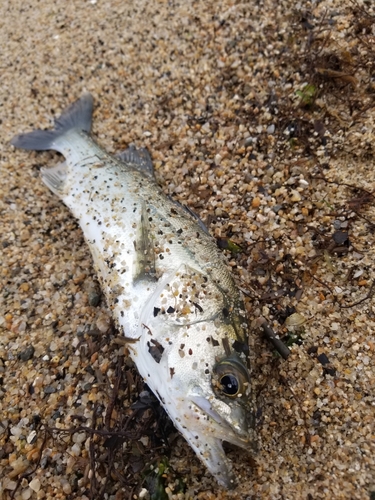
(138, 158)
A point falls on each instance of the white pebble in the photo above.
(79, 437)
(8, 484)
(26, 494)
(16, 431)
(31, 437)
(75, 450)
(218, 159)
(35, 484)
(53, 346)
(67, 489)
(295, 196)
(144, 494)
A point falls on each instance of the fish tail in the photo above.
(76, 117)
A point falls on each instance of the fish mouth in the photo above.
(224, 423)
(231, 426)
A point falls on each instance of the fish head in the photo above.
(205, 389)
(193, 354)
(219, 408)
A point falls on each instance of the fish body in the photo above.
(165, 283)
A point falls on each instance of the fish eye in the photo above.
(229, 384)
(231, 377)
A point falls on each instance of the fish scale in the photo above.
(165, 282)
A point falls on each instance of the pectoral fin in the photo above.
(145, 268)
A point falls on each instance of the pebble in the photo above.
(295, 196)
(27, 353)
(26, 493)
(35, 484)
(94, 298)
(66, 487)
(103, 323)
(31, 438)
(255, 202)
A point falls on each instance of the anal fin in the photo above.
(54, 177)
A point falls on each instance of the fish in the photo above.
(166, 283)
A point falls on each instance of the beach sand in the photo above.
(260, 117)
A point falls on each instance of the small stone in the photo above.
(35, 484)
(144, 494)
(249, 141)
(19, 466)
(75, 450)
(255, 203)
(295, 196)
(31, 438)
(67, 489)
(38, 382)
(24, 287)
(16, 431)
(53, 346)
(79, 437)
(27, 354)
(277, 208)
(103, 323)
(25, 235)
(49, 389)
(8, 484)
(94, 298)
(26, 494)
(340, 237)
(295, 319)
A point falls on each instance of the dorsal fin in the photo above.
(138, 158)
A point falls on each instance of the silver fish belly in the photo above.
(165, 282)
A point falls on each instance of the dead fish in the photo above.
(165, 282)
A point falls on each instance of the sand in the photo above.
(260, 117)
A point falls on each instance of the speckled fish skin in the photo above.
(165, 282)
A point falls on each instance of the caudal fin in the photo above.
(77, 116)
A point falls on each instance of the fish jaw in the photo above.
(210, 451)
(208, 442)
(205, 430)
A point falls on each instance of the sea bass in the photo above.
(165, 282)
